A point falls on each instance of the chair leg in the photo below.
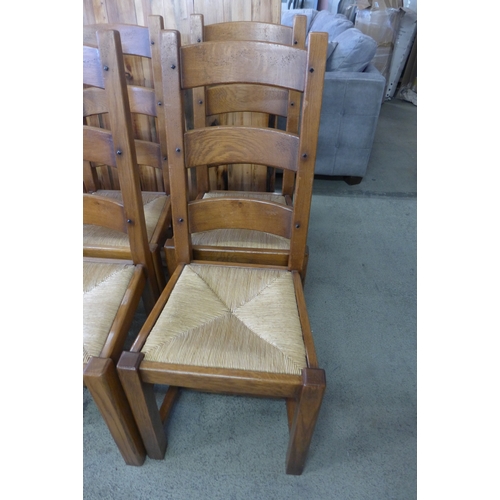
(304, 418)
(143, 404)
(102, 381)
(158, 265)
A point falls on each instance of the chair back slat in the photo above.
(246, 97)
(148, 153)
(249, 30)
(212, 62)
(255, 215)
(216, 145)
(102, 211)
(92, 68)
(134, 38)
(98, 146)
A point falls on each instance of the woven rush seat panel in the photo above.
(101, 236)
(104, 286)
(230, 317)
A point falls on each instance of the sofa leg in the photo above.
(352, 180)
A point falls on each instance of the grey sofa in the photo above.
(352, 96)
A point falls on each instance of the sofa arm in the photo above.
(349, 115)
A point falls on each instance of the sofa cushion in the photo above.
(354, 51)
(333, 24)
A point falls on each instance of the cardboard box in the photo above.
(404, 42)
(380, 19)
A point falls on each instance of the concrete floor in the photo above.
(361, 296)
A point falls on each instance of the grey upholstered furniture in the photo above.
(352, 96)
(349, 115)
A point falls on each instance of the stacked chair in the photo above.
(208, 104)
(226, 325)
(112, 287)
(145, 102)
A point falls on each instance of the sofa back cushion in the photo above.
(354, 51)
(333, 24)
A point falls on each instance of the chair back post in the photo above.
(309, 128)
(174, 118)
(156, 26)
(199, 106)
(293, 116)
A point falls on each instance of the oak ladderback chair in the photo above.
(230, 327)
(216, 100)
(112, 288)
(145, 103)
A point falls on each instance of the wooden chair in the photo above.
(208, 104)
(227, 327)
(112, 287)
(140, 43)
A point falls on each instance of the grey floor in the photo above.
(361, 296)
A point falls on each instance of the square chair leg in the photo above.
(102, 381)
(304, 418)
(143, 403)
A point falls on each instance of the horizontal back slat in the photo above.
(250, 97)
(211, 63)
(148, 153)
(98, 146)
(92, 71)
(134, 39)
(103, 211)
(248, 30)
(223, 145)
(94, 101)
(253, 214)
(142, 100)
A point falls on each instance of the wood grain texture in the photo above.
(176, 15)
(306, 412)
(143, 404)
(222, 145)
(145, 103)
(98, 146)
(309, 126)
(256, 215)
(244, 108)
(100, 210)
(102, 381)
(222, 380)
(116, 147)
(234, 62)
